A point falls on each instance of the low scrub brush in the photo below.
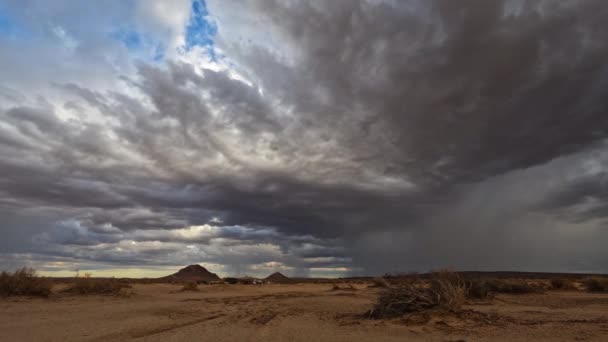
(97, 286)
(24, 282)
(596, 284)
(446, 291)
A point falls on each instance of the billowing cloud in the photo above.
(353, 136)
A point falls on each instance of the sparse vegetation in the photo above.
(512, 286)
(596, 284)
(346, 287)
(561, 284)
(379, 282)
(422, 310)
(97, 286)
(446, 291)
(477, 289)
(443, 290)
(24, 282)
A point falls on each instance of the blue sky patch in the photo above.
(159, 53)
(131, 39)
(200, 31)
(140, 45)
(11, 27)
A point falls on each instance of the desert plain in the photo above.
(296, 312)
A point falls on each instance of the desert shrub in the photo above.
(484, 288)
(519, 287)
(350, 287)
(477, 289)
(379, 282)
(190, 286)
(561, 284)
(596, 284)
(511, 286)
(449, 288)
(97, 286)
(343, 287)
(24, 282)
(446, 291)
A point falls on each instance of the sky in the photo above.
(314, 138)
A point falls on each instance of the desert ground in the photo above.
(295, 312)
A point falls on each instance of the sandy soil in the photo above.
(307, 312)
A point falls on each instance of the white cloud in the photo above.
(166, 20)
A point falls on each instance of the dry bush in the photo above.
(450, 288)
(379, 282)
(190, 286)
(478, 289)
(100, 286)
(401, 300)
(596, 284)
(24, 282)
(511, 286)
(561, 284)
(484, 288)
(446, 291)
(345, 287)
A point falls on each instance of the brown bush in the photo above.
(450, 288)
(190, 286)
(478, 289)
(511, 286)
(596, 284)
(484, 288)
(379, 282)
(446, 291)
(97, 286)
(561, 284)
(24, 282)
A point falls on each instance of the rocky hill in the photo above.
(194, 273)
(278, 278)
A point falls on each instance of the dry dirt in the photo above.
(298, 312)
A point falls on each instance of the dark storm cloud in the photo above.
(464, 91)
(373, 130)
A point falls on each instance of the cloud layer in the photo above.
(317, 138)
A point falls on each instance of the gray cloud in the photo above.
(375, 135)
